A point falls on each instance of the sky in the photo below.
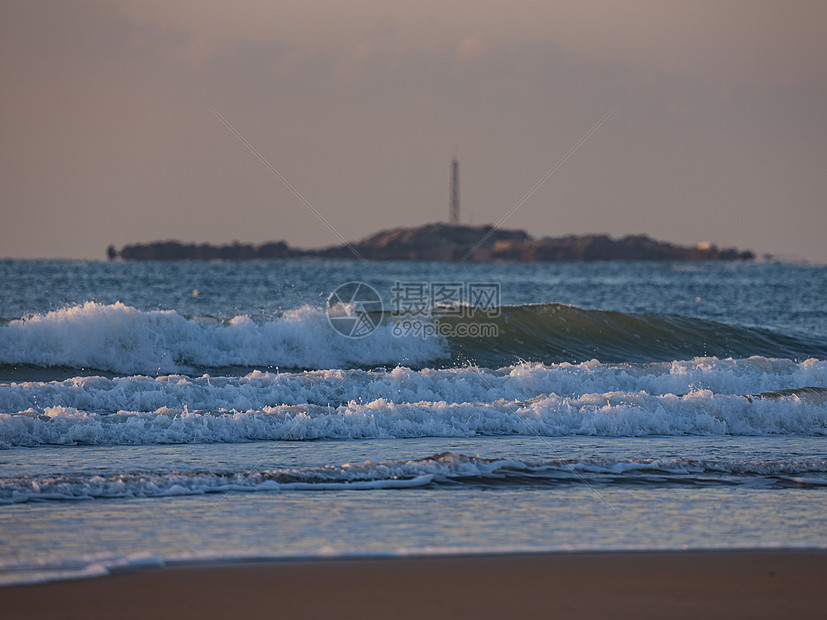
(107, 135)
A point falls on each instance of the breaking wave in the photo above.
(450, 468)
(623, 414)
(333, 388)
(122, 339)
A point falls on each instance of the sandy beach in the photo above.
(716, 584)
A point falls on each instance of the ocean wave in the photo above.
(446, 469)
(122, 339)
(334, 388)
(629, 414)
(558, 332)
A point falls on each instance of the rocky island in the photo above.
(448, 242)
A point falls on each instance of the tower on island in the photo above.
(454, 211)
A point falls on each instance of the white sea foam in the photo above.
(123, 339)
(699, 396)
(449, 468)
(618, 413)
(167, 484)
(259, 389)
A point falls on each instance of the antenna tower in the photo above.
(454, 192)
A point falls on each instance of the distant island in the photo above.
(447, 242)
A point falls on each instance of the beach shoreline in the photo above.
(683, 584)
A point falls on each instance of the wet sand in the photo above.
(708, 584)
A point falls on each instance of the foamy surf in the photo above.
(705, 396)
(615, 414)
(448, 469)
(123, 339)
(257, 389)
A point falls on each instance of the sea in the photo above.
(169, 413)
